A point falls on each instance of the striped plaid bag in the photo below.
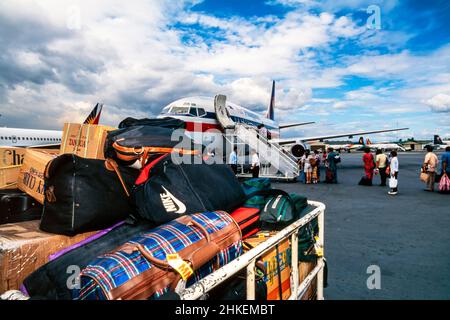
(178, 253)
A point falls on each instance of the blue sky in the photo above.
(59, 59)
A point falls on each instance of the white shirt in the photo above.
(394, 164)
(233, 158)
(255, 160)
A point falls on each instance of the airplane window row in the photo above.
(31, 139)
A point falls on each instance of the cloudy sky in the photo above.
(335, 62)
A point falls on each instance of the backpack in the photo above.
(281, 209)
(337, 158)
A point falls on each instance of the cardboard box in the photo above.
(9, 177)
(13, 156)
(270, 263)
(84, 140)
(24, 248)
(284, 258)
(31, 175)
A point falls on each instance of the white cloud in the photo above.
(439, 103)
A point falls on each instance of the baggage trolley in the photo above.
(248, 260)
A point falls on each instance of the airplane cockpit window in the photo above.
(165, 110)
(193, 111)
(179, 110)
(201, 112)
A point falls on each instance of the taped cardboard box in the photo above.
(84, 140)
(13, 156)
(9, 177)
(279, 257)
(24, 248)
(282, 258)
(31, 175)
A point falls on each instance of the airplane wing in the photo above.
(283, 126)
(330, 136)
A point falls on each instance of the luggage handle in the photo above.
(111, 165)
(197, 258)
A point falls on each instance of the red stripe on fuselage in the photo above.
(203, 127)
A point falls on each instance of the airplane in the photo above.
(384, 146)
(203, 127)
(14, 137)
(438, 143)
(347, 147)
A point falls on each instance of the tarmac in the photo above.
(407, 236)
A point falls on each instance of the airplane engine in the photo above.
(298, 150)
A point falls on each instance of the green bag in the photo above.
(282, 209)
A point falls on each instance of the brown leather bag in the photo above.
(161, 275)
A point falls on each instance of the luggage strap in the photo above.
(271, 192)
(111, 165)
(133, 153)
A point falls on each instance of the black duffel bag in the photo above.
(144, 142)
(166, 190)
(85, 194)
(166, 122)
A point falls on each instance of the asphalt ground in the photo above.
(407, 236)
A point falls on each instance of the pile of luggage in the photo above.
(115, 214)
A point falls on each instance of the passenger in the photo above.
(301, 167)
(316, 168)
(234, 160)
(394, 166)
(255, 164)
(369, 165)
(429, 166)
(308, 166)
(446, 162)
(262, 130)
(331, 163)
(381, 165)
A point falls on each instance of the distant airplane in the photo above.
(384, 146)
(14, 137)
(200, 116)
(438, 143)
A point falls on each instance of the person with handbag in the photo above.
(429, 166)
(393, 170)
(381, 163)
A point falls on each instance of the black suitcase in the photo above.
(17, 206)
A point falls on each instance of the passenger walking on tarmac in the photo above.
(446, 162)
(316, 167)
(255, 164)
(429, 166)
(301, 168)
(393, 180)
(381, 165)
(331, 163)
(308, 166)
(234, 160)
(369, 166)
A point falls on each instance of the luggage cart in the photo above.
(248, 260)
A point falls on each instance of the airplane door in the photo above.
(222, 115)
(14, 139)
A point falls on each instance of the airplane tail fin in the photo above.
(270, 111)
(361, 141)
(368, 142)
(437, 140)
(94, 116)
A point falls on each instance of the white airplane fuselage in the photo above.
(14, 137)
(201, 122)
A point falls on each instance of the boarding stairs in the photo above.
(275, 162)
